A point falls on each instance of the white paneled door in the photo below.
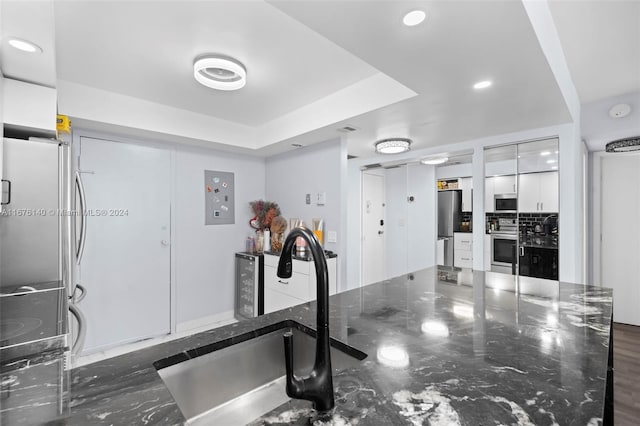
(373, 255)
(620, 210)
(126, 263)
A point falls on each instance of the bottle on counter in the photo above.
(267, 239)
(301, 243)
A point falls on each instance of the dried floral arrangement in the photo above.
(264, 212)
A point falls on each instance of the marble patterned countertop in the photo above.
(473, 352)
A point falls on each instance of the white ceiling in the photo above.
(601, 43)
(146, 50)
(314, 66)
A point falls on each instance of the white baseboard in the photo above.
(211, 320)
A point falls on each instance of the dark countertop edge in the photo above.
(331, 255)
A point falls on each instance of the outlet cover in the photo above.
(308, 199)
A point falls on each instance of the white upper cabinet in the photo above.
(504, 184)
(466, 185)
(497, 185)
(538, 192)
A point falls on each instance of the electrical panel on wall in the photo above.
(219, 198)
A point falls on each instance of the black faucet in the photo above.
(317, 387)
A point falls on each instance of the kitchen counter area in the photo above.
(479, 351)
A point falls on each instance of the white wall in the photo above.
(597, 130)
(204, 255)
(422, 217)
(396, 225)
(311, 170)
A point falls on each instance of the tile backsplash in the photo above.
(528, 220)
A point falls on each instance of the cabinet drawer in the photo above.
(463, 259)
(297, 286)
(462, 241)
(275, 301)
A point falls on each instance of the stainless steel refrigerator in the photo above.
(39, 248)
(449, 217)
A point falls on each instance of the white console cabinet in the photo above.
(281, 293)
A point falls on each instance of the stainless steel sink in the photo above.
(233, 383)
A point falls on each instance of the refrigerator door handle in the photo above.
(83, 227)
(8, 192)
(83, 293)
(76, 347)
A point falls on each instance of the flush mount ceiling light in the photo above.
(619, 111)
(482, 84)
(414, 18)
(545, 153)
(220, 72)
(434, 160)
(24, 45)
(624, 145)
(393, 146)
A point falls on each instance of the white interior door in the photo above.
(620, 210)
(126, 262)
(373, 256)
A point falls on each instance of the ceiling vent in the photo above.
(371, 166)
(347, 129)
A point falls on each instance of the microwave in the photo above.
(506, 203)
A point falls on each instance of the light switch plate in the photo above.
(308, 199)
(332, 237)
(321, 198)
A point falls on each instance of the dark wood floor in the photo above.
(626, 377)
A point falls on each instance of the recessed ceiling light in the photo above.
(551, 161)
(24, 45)
(414, 18)
(482, 84)
(434, 160)
(554, 167)
(393, 145)
(220, 72)
(545, 153)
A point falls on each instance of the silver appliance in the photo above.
(505, 203)
(449, 217)
(503, 247)
(249, 301)
(38, 248)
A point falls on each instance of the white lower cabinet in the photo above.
(463, 250)
(281, 293)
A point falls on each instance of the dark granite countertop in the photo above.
(475, 354)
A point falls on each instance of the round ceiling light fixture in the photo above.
(393, 145)
(414, 18)
(619, 110)
(434, 160)
(24, 45)
(624, 145)
(220, 72)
